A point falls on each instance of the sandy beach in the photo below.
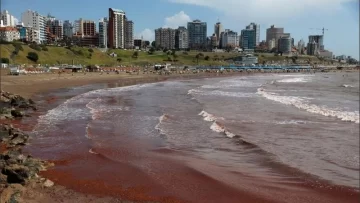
(70, 189)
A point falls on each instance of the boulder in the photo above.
(12, 193)
(16, 173)
(48, 183)
(17, 113)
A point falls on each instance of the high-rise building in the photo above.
(319, 39)
(312, 48)
(85, 27)
(165, 38)
(229, 38)
(181, 38)
(33, 19)
(248, 39)
(129, 34)
(271, 44)
(116, 28)
(274, 33)
(197, 34)
(103, 27)
(68, 29)
(7, 19)
(256, 27)
(218, 29)
(214, 41)
(54, 28)
(284, 44)
(301, 46)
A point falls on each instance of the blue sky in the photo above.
(340, 17)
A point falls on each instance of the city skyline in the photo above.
(179, 12)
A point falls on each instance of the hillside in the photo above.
(81, 55)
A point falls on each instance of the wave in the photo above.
(71, 109)
(293, 80)
(162, 118)
(345, 85)
(216, 126)
(302, 103)
(220, 93)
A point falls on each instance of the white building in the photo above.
(229, 38)
(103, 25)
(271, 44)
(33, 19)
(7, 19)
(116, 28)
(9, 34)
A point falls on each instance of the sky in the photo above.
(340, 17)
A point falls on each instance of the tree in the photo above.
(5, 60)
(207, 58)
(197, 57)
(294, 58)
(135, 54)
(153, 44)
(33, 56)
(152, 50)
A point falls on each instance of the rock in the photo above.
(17, 113)
(3, 179)
(18, 139)
(48, 183)
(16, 173)
(12, 193)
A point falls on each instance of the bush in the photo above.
(207, 58)
(44, 48)
(33, 56)
(35, 47)
(185, 53)
(118, 59)
(18, 47)
(5, 60)
(91, 50)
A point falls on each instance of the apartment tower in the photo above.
(116, 28)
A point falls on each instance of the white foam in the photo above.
(293, 80)
(91, 151)
(302, 103)
(207, 116)
(215, 127)
(220, 93)
(345, 85)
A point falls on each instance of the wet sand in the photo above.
(183, 182)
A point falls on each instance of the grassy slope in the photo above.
(61, 55)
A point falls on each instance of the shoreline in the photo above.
(109, 82)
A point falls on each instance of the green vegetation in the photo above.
(5, 60)
(52, 55)
(33, 56)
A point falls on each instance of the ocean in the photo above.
(281, 131)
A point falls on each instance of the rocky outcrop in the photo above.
(14, 106)
(16, 169)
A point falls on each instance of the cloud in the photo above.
(263, 11)
(146, 34)
(179, 19)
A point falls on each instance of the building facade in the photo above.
(68, 29)
(284, 44)
(218, 29)
(103, 27)
(54, 28)
(33, 19)
(197, 34)
(274, 33)
(165, 38)
(301, 46)
(9, 34)
(248, 39)
(229, 38)
(319, 39)
(181, 38)
(129, 34)
(256, 27)
(116, 28)
(7, 19)
(312, 48)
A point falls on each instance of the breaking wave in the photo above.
(302, 103)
